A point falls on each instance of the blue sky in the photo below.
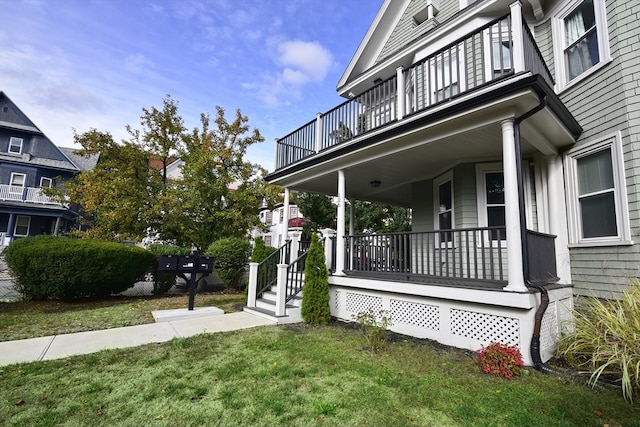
(96, 63)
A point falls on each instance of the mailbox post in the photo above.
(194, 264)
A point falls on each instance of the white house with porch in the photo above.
(481, 117)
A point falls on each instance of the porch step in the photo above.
(293, 314)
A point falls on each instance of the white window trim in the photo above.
(557, 29)
(42, 179)
(12, 185)
(481, 192)
(614, 142)
(21, 144)
(15, 227)
(436, 67)
(437, 182)
(466, 3)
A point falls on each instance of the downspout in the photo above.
(544, 295)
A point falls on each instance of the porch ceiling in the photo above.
(424, 146)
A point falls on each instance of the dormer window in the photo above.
(427, 13)
(15, 145)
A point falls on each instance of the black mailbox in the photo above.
(168, 264)
(198, 267)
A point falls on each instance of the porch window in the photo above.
(16, 185)
(15, 145)
(444, 207)
(490, 191)
(445, 69)
(580, 33)
(598, 201)
(22, 225)
(501, 57)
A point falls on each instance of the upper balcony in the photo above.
(493, 53)
(18, 193)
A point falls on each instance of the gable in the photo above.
(12, 117)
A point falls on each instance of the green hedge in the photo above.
(261, 251)
(230, 256)
(47, 267)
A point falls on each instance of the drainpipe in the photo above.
(544, 295)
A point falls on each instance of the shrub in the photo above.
(48, 267)
(162, 282)
(315, 308)
(261, 251)
(374, 327)
(230, 256)
(502, 360)
(607, 339)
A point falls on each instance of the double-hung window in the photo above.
(581, 40)
(22, 226)
(15, 145)
(443, 188)
(597, 199)
(491, 205)
(16, 185)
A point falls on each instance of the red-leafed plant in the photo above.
(502, 360)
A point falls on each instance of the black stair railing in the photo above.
(268, 268)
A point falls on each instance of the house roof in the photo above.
(83, 163)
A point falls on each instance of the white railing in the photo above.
(25, 194)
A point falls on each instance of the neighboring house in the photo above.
(275, 221)
(511, 130)
(29, 161)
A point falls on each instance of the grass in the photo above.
(273, 376)
(294, 376)
(29, 319)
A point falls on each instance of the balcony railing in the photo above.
(25, 194)
(494, 52)
(477, 254)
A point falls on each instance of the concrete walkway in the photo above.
(61, 346)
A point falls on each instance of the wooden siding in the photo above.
(407, 31)
(605, 102)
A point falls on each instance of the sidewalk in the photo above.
(61, 346)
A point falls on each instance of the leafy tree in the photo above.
(230, 256)
(377, 218)
(220, 193)
(318, 209)
(315, 308)
(115, 195)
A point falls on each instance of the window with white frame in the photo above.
(443, 215)
(268, 218)
(46, 182)
(491, 206)
(267, 240)
(293, 212)
(15, 145)
(22, 225)
(445, 72)
(597, 199)
(16, 185)
(581, 39)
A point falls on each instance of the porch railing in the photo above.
(468, 253)
(295, 276)
(484, 56)
(25, 194)
(268, 268)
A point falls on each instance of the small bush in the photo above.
(607, 340)
(502, 360)
(162, 282)
(315, 308)
(48, 267)
(261, 251)
(374, 327)
(230, 256)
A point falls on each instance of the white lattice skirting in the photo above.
(457, 317)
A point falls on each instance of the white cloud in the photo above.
(137, 63)
(308, 58)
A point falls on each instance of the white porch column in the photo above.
(56, 230)
(253, 284)
(340, 226)
(400, 92)
(327, 235)
(512, 210)
(318, 132)
(517, 36)
(558, 217)
(285, 220)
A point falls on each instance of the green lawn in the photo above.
(273, 376)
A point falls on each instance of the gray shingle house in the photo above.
(29, 161)
(512, 130)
